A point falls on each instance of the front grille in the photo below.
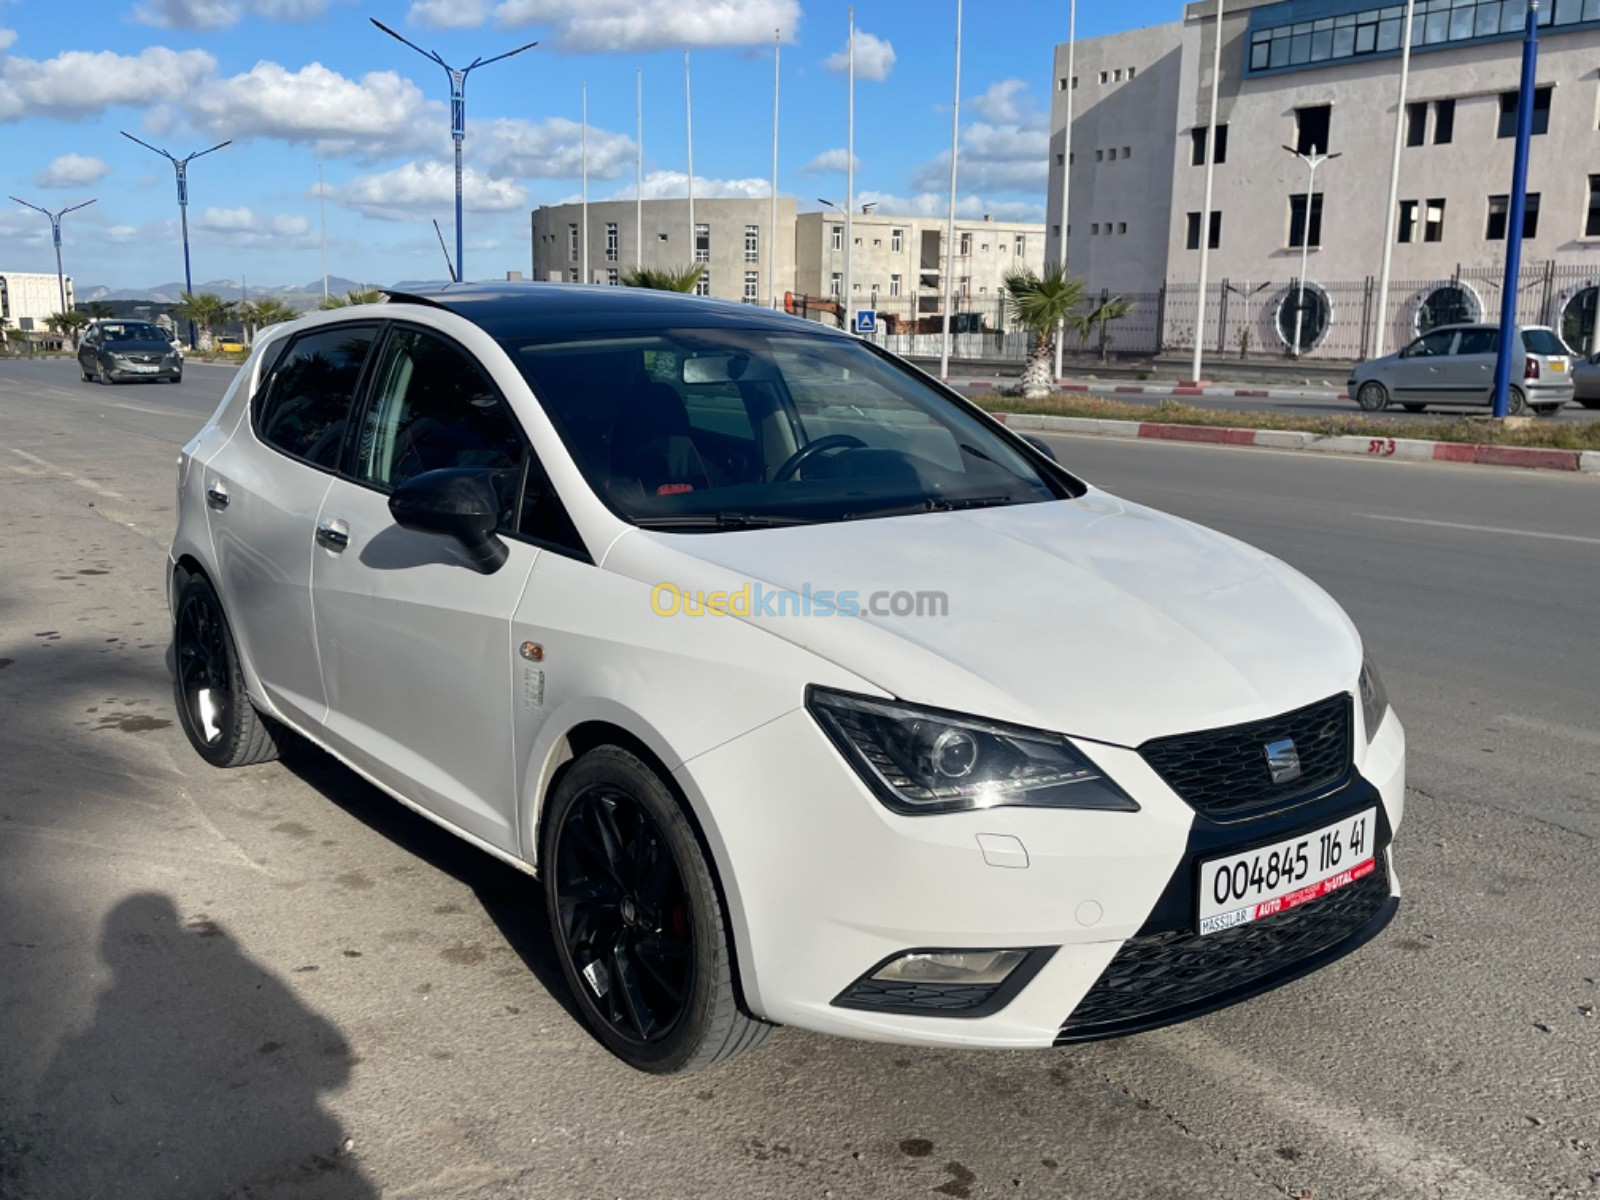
(146, 359)
(1157, 979)
(932, 998)
(1223, 773)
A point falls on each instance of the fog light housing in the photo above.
(945, 983)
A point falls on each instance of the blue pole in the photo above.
(1510, 346)
(183, 216)
(458, 131)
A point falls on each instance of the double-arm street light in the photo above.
(55, 232)
(1312, 161)
(458, 111)
(181, 167)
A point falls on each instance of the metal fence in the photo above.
(1337, 320)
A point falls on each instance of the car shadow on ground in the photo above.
(513, 900)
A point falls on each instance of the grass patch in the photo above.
(1543, 434)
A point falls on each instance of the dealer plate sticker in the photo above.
(1273, 879)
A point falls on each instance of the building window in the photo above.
(1198, 154)
(1105, 77)
(752, 287)
(703, 287)
(572, 243)
(1131, 71)
(572, 275)
(1122, 228)
(897, 240)
(1021, 246)
(1116, 75)
(612, 279)
(1416, 124)
(1433, 221)
(611, 241)
(984, 248)
(1094, 229)
(1193, 237)
(1408, 221)
(661, 237)
(836, 285)
(1444, 118)
(966, 244)
(837, 233)
(1508, 113)
(752, 243)
(1112, 154)
(1591, 227)
(1304, 233)
(877, 241)
(1500, 217)
(894, 285)
(1062, 84)
(1312, 128)
(702, 243)
(1127, 152)
(1099, 156)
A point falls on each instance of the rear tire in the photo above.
(1372, 396)
(214, 706)
(1547, 410)
(637, 920)
(1516, 403)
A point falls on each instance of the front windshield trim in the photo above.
(913, 446)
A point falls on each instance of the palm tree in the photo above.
(1040, 304)
(68, 324)
(256, 315)
(354, 296)
(99, 309)
(664, 279)
(1113, 308)
(207, 310)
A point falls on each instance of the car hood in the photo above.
(1097, 618)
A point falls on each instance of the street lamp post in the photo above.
(842, 295)
(1509, 349)
(1381, 338)
(180, 167)
(1205, 208)
(55, 233)
(1312, 161)
(950, 226)
(458, 111)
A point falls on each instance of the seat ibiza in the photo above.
(810, 694)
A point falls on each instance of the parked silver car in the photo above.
(1454, 366)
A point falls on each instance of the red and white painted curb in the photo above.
(1100, 388)
(1404, 449)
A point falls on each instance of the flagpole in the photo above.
(322, 208)
(950, 235)
(850, 182)
(1380, 341)
(1066, 160)
(638, 174)
(772, 241)
(585, 256)
(1205, 210)
(688, 116)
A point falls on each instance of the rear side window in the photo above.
(1479, 341)
(1433, 345)
(1543, 341)
(306, 406)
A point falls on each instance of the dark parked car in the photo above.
(114, 351)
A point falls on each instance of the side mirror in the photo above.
(457, 502)
(1042, 446)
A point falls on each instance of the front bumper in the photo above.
(822, 883)
(128, 375)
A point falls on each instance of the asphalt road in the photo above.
(277, 983)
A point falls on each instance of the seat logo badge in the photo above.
(1283, 760)
(532, 651)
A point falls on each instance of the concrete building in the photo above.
(1325, 73)
(733, 238)
(28, 299)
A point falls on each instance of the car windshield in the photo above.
(706, 429)
(1543, 341)
(132, 331)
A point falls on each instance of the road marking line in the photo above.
(1552, 537)
(91, 485)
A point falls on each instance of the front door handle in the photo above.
(217, 495)
(333, 535)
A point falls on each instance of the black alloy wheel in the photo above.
(215, 709)
(637, 920)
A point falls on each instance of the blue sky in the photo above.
(298, 82)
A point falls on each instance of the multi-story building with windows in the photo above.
(1323, 75)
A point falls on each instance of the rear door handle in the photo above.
(333, 535)
(217, 495)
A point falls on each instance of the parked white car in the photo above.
(811, 694)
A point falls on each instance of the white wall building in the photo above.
(28, 299)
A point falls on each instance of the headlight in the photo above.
(920, 761)
(1374, 700)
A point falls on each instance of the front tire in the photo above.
(105, 377)
(637, 920)
(213, 705)
(1372, 396)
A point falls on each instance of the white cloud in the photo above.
(82, 83)
(999, 103)
(830, 162)
(244, 228)
(601, 26)
(223, 14)
(874, 58)
(674, 185)
(1007, 151)
(72, 170)
(936, 204)
(449, 14)
(552, 149)
(415, 190)
(377, 116)
(8, 38)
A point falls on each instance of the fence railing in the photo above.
(1337, 320)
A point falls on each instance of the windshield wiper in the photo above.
(932, 506)
(722, 520)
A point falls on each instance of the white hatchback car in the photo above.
(812, 694)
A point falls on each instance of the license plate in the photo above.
(1558, 367)
(1273, 879)
(142, 369)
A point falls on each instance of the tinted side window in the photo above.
(1479, 341)
(1542, 341)
(1434, 344)
(307, 404)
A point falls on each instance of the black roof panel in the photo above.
(513, 309)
